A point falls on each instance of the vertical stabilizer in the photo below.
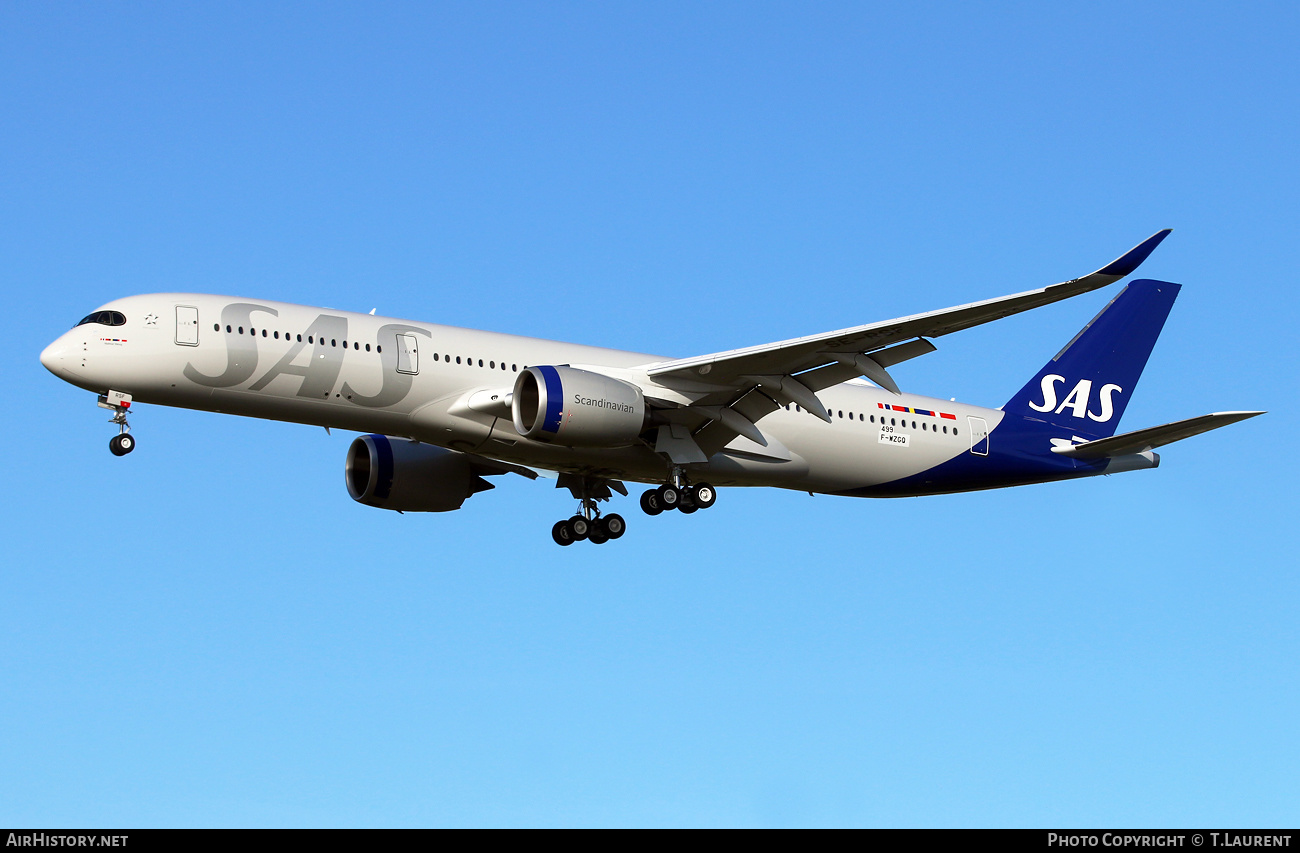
(1087, 385)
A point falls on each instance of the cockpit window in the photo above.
(104, 318)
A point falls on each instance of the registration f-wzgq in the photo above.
(445, 407)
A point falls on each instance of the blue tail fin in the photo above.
(1087, 386)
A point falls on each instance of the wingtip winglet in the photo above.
(1134, 257)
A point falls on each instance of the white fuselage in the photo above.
(402, 378)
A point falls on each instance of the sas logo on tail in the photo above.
(1077, 400)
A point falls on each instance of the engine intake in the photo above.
(577, 408)
(397, 474)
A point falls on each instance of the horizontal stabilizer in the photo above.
(1146, 439)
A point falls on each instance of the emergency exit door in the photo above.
(187, 325)
(979, 436)
(408, 356)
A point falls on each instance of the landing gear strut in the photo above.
(678, 494)
(118, 403)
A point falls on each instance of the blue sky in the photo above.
(209, 632)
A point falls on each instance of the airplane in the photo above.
(443, 407)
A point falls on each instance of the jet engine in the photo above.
(403, 475)
(577, 408)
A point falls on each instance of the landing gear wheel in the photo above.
(561, 533)
(579, 527)
(612, 525)
(669, 497)
(597, 536)
(687, 509)
(122, 444)
(705, 495)
(650, 502)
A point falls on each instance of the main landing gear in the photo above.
(686, 499)
(597, 529)
(678, 494)
(589, 524)
(118, 403)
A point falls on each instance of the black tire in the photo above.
(597, 536)
(705, 495)
(650, 502)
(121, 444)
(561, 533)
(613, 525)
(669, 497)
(579, 527)
(687, 509)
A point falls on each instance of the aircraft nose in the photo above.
(53, 356)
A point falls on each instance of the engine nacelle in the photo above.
(577, 408)
(394, 473)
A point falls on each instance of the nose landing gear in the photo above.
(118, 403)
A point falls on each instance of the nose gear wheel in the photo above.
(118, 403)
